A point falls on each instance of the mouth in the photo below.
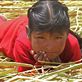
(48, 52)
(51, 52)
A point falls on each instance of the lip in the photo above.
(52, 52)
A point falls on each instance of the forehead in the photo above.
(49, 33)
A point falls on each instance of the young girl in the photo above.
(42, 36)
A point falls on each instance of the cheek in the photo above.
(60, 45)
(57, 48)
(37, 45)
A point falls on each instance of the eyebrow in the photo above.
(58, 34)
(38, 33)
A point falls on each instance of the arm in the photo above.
(76, 51)
(72, 50)
(21, 54)
(74, 47)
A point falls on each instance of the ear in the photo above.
(30, 38)
(27, 28)
(28, 33)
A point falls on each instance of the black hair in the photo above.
(48, 16)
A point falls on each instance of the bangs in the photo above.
(50, 17)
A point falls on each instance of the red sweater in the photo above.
(15, 44)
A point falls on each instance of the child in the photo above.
(48, 36)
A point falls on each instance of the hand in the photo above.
(40, 56)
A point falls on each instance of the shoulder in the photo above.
(72, 44)
(72, 40)
(24, 18)
(14, 23)
(72, 49)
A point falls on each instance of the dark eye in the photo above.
(39, 37)
(58, 37)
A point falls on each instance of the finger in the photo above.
(36, 56)
(32, 52)
(46, 57)
(40, 57)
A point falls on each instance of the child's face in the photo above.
(51, 43)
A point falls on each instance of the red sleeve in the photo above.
(8, 34)
(22, 47)
(2, 19)
(76, 51)
(72, 50)
(21, 54)
(14, 42)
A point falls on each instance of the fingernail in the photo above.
(32, 51)
(43, 52)
(35, 55)
(45, 55)
(40, 51)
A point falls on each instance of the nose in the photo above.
(50, 45)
